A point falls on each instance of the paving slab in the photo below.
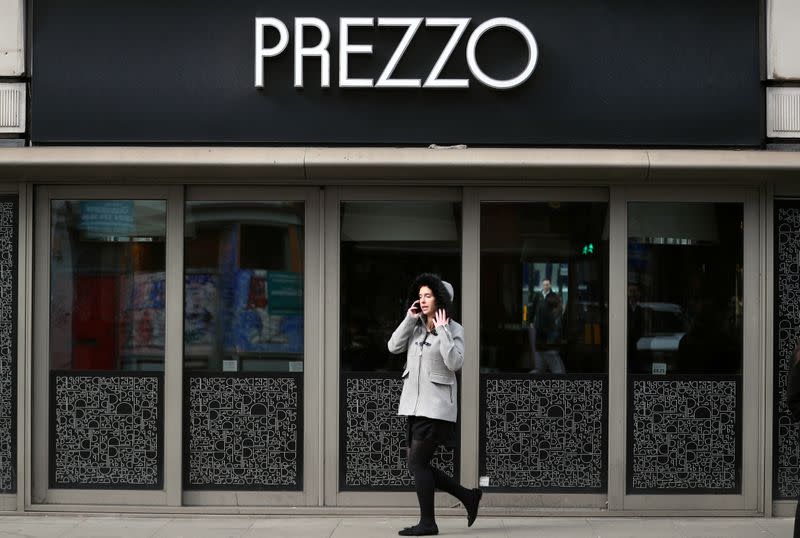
(199, 532)
(779, 527)
(633, 527)
(212, 522)
(116, 527)
(37, 527)
(31, 531)
(46, 520)
(544, 527)
(721, 528)
(308, 527)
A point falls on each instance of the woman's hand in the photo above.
(415, 311)
(441, 318)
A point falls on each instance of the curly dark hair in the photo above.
(434, 282)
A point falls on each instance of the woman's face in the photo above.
(427, 302)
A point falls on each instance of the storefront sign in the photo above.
(386, 80)
(577, 73)
(106, 217)
(284, 293)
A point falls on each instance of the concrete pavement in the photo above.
(143, 526)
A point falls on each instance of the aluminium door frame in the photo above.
(475, 197)
(753, 412)
(311, 494)
(43, 497)
(334, 196)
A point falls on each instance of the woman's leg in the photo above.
(470, 498)
(445, 482)
(419, 463)
(427, 478)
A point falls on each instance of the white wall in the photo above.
(783, 39)
(12, 38)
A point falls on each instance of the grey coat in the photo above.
(430, 388)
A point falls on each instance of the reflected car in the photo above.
(664, 325)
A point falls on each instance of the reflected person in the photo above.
(707, 347)
(635, 329)
(545, 330)
(434, 347)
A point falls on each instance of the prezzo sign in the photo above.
(386, 80)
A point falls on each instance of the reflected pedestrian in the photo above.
(635, 330)
(545, 330)
(434, 347)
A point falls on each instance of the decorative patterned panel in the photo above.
(8, 344)
(243, 431)
(786, 436)
(373, 438)
(106, 430)
(684, 434)
(544, 433)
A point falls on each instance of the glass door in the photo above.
(543, 347)
(692, 352)
(250, 347)
(377, 241)
(100, 345)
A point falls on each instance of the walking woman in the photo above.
(434, 347)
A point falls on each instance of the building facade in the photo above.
(211, 215)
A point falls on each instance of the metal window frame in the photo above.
(753, 412)
(334, 196)
(591, 502)
(310, 494)
(41, 495)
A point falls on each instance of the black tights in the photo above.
(427, 478)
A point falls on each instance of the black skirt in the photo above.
(441, 432)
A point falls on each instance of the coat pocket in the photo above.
(443, 380)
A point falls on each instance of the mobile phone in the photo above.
(415, 307)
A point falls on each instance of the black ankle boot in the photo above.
(472, 507)
(420, 529)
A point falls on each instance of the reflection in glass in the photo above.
(685, 288)
(384, 246)
(243, 294)
(544, 287)
(107, 276)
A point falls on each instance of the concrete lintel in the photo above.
(68, 164)
(727, 166)
(512, 166)
(475, 164)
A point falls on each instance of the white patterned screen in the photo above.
(685, 435)
(374, 437)
(786, 463)
(244, 432)
(544, 433)
(106, 431)
(8, 347)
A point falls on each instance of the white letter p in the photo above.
(261, 52)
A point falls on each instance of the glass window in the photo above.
(384, 246)
(685, 288)
(544, 287)
(107, 280)
(243, 298)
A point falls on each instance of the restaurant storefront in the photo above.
(204, 259)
